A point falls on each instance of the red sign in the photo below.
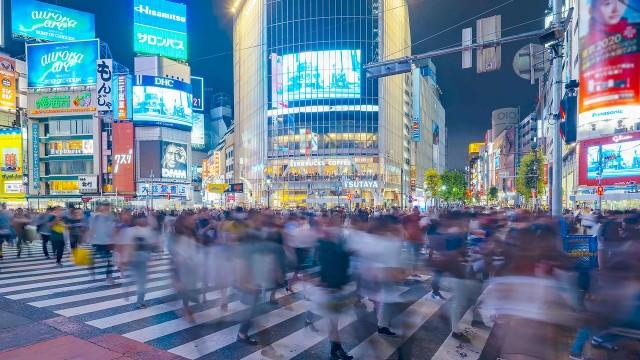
(609, 55)
(122, 159)
(86, 199)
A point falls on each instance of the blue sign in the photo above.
(197, 84)
(415, 129)
(122, 97)
(160, 28)
(62, 64)
(35, 152)
(159, 101)
(37, 20)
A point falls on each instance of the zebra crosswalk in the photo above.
(283, 329)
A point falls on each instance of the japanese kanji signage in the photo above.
(104, 85)
(160, 28)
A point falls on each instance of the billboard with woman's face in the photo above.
(609, 63)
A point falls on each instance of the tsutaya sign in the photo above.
(360, 184)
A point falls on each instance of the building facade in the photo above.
(310, 127)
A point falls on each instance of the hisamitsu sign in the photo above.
(160, 28)
(62, 64)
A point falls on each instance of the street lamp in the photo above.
(268, 193)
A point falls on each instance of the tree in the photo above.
(493, 194)
(432, 182)
(454, 185)
(530, 174)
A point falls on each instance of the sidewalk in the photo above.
(27, 333)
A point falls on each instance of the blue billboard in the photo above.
(62, 64)
(37, 20)
(159, 101)
(160, 28)
(330, 74)
(197, 84)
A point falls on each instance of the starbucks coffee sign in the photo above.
(62, 103)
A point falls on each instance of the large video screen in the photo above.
(37, 20)
(162, 102)
(329, 74)
(62, 63)
(197, 132)
(174, 164)
(618, 160)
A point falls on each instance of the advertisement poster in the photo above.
(609, 60)
(104, 68)
(160, 28)
(613, 159)
(331, 74)
(62, 64)
(123, 163)
(7, 83)
(10, 163)
(162, 101)
(41, 21)
(60, 103)
(174, 163)
(70, 147)
(197, 131)
(149, 169)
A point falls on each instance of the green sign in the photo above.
(156, 41)
(53, 102)
(62, 103)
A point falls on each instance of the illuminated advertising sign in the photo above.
(160, 189)
(7, 83)
(160, 28)
(159, 101)
(10, 163)
(330, 74)
(163, 160)
(614, 159)
(37, 20)
(197, 86)
(197, 131)
(62, 64)
(415, 129)
(123, 163)
(104, 68)
(35, 154)
(123, 97)
(474, 148)
(70, 147)
(62, 103)
(609, 63)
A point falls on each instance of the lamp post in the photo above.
(268, 193)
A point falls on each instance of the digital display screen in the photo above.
(617, 160)
(197, 131)
(62, 64)
(162, 102)
(37, 20)
(330, 74)
(160, 28)
(174, 163)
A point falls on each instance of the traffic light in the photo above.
(600, 190)
(569, 116)
(349, 196)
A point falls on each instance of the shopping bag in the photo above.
(82, 257)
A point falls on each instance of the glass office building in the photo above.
(310, 127)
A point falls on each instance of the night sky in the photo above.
(468, 97)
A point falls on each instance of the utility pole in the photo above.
(556, 179)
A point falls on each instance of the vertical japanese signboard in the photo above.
(35, 153)
(7, 83)
(123, 164)
(122, 97)
(104, 68)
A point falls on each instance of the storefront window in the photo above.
(64, 187)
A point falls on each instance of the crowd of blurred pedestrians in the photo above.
(508, 267)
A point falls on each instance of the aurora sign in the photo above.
(37, 20)
(62, 64)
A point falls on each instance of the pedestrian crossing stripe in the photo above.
(74, 293)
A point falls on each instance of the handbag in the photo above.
(82, 257)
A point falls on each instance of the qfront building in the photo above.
(311, 129)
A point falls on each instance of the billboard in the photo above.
(330, 74)
(197, 86)
(62, 103)
(11, 163)
(150, 167)
(37, 20)
(104, 68)
(69, 147)
(609, 64)
(174, 163)
(122, 97)
(159, 101)
(616, 159)
(7, 83)
(123, 163)
(62, 64)
(197, 131)
(160, 28)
